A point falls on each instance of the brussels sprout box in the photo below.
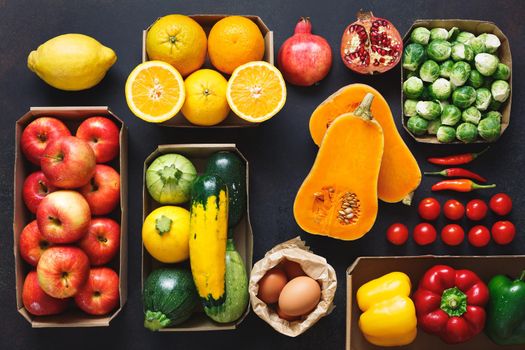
(243, 236)
(207, 21)
(472, 26)
(365, 269)
(72, 117)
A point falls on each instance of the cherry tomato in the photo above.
(429, 209)
(476, 210)
(501, 204)
(503, 232)
(452, 234)
(397, 234)
(453, 209)
(424, 233)
(479, 236)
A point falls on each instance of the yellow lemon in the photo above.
(206, 102)
(166, 234)
(71, 61)
(178, 40)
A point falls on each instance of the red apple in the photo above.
(32, 244)
(102, 135)
(63, 217)
(62, 271)
(102, 240)
(37, 302)
(68, 162)
(100, 294)
(36, 187)
(38, 134)
(103, 191)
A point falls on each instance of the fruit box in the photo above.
(365, 269)
(476, 27)
(243, 235)
(72, 117)
(207, 22)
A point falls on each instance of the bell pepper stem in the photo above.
(454, 302)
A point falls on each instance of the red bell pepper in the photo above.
(450, 303)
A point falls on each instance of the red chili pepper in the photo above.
(459, 185)
(458, 172)
(457, 159)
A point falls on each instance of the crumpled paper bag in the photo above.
(313, 265)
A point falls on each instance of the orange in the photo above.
(233, 41)
(178, 40)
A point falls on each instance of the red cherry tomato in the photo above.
(453, 209)
(397, 234)
(452, 234)
(503, 232)
(476, 210)
(479, 236)
(501, 204)
(429, 209)
(424, 233)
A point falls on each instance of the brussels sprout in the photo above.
(425, 95)
(494, 105)
(446, 134)
(446, 68)
(483, 98)
(420, 35)
(439, 50)
(429, 110)
(489, 128)
(490, 41)
(464, 96)
(471, 115)
(433, 126)
(413, 56)
(475, 79)
(453, 33)
(477, 44)
(410, 74)
(487, 82)
(440, 89)
(451, 115)
(409, 108)
(486, 63)
(502, 72)
(417, 125)
(413, 87)
(438, 34)
(494, 114)
(467, 132)
(500, 90)
(460, 73)
(461, 52)
(463, 37)
(429, 71)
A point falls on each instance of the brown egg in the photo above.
(292, 269)
(271, 285)
(285, 316)
(300, 296)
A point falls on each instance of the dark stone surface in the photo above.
(280, 151)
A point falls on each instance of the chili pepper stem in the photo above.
(476, 155)
(442, 173)
(475, 186)
(522, 276)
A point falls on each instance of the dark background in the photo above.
(280, 151)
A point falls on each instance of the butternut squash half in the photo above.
(400, 175)
(338, 198)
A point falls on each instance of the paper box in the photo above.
(72, 117)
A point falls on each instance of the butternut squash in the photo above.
(338, 198)
(400, 175)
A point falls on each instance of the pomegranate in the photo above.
(304, 58)
(371, 45)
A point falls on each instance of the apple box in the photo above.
(72, 117)
(242, 234)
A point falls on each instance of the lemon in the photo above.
(71, 61)
(206, 102)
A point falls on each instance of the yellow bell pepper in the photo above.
(389, 315)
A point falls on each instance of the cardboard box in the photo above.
(207, 22)
(72, 117)
(475, 27)
(365, 269)
(243, 236)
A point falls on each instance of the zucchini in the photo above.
(208, 233)
(169, 298)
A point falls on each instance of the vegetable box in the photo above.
(207, 22)
(243, 235)
(72, 117)
(365, 269)
(475, 27)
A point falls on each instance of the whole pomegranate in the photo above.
(304, 58)
(371, 45)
